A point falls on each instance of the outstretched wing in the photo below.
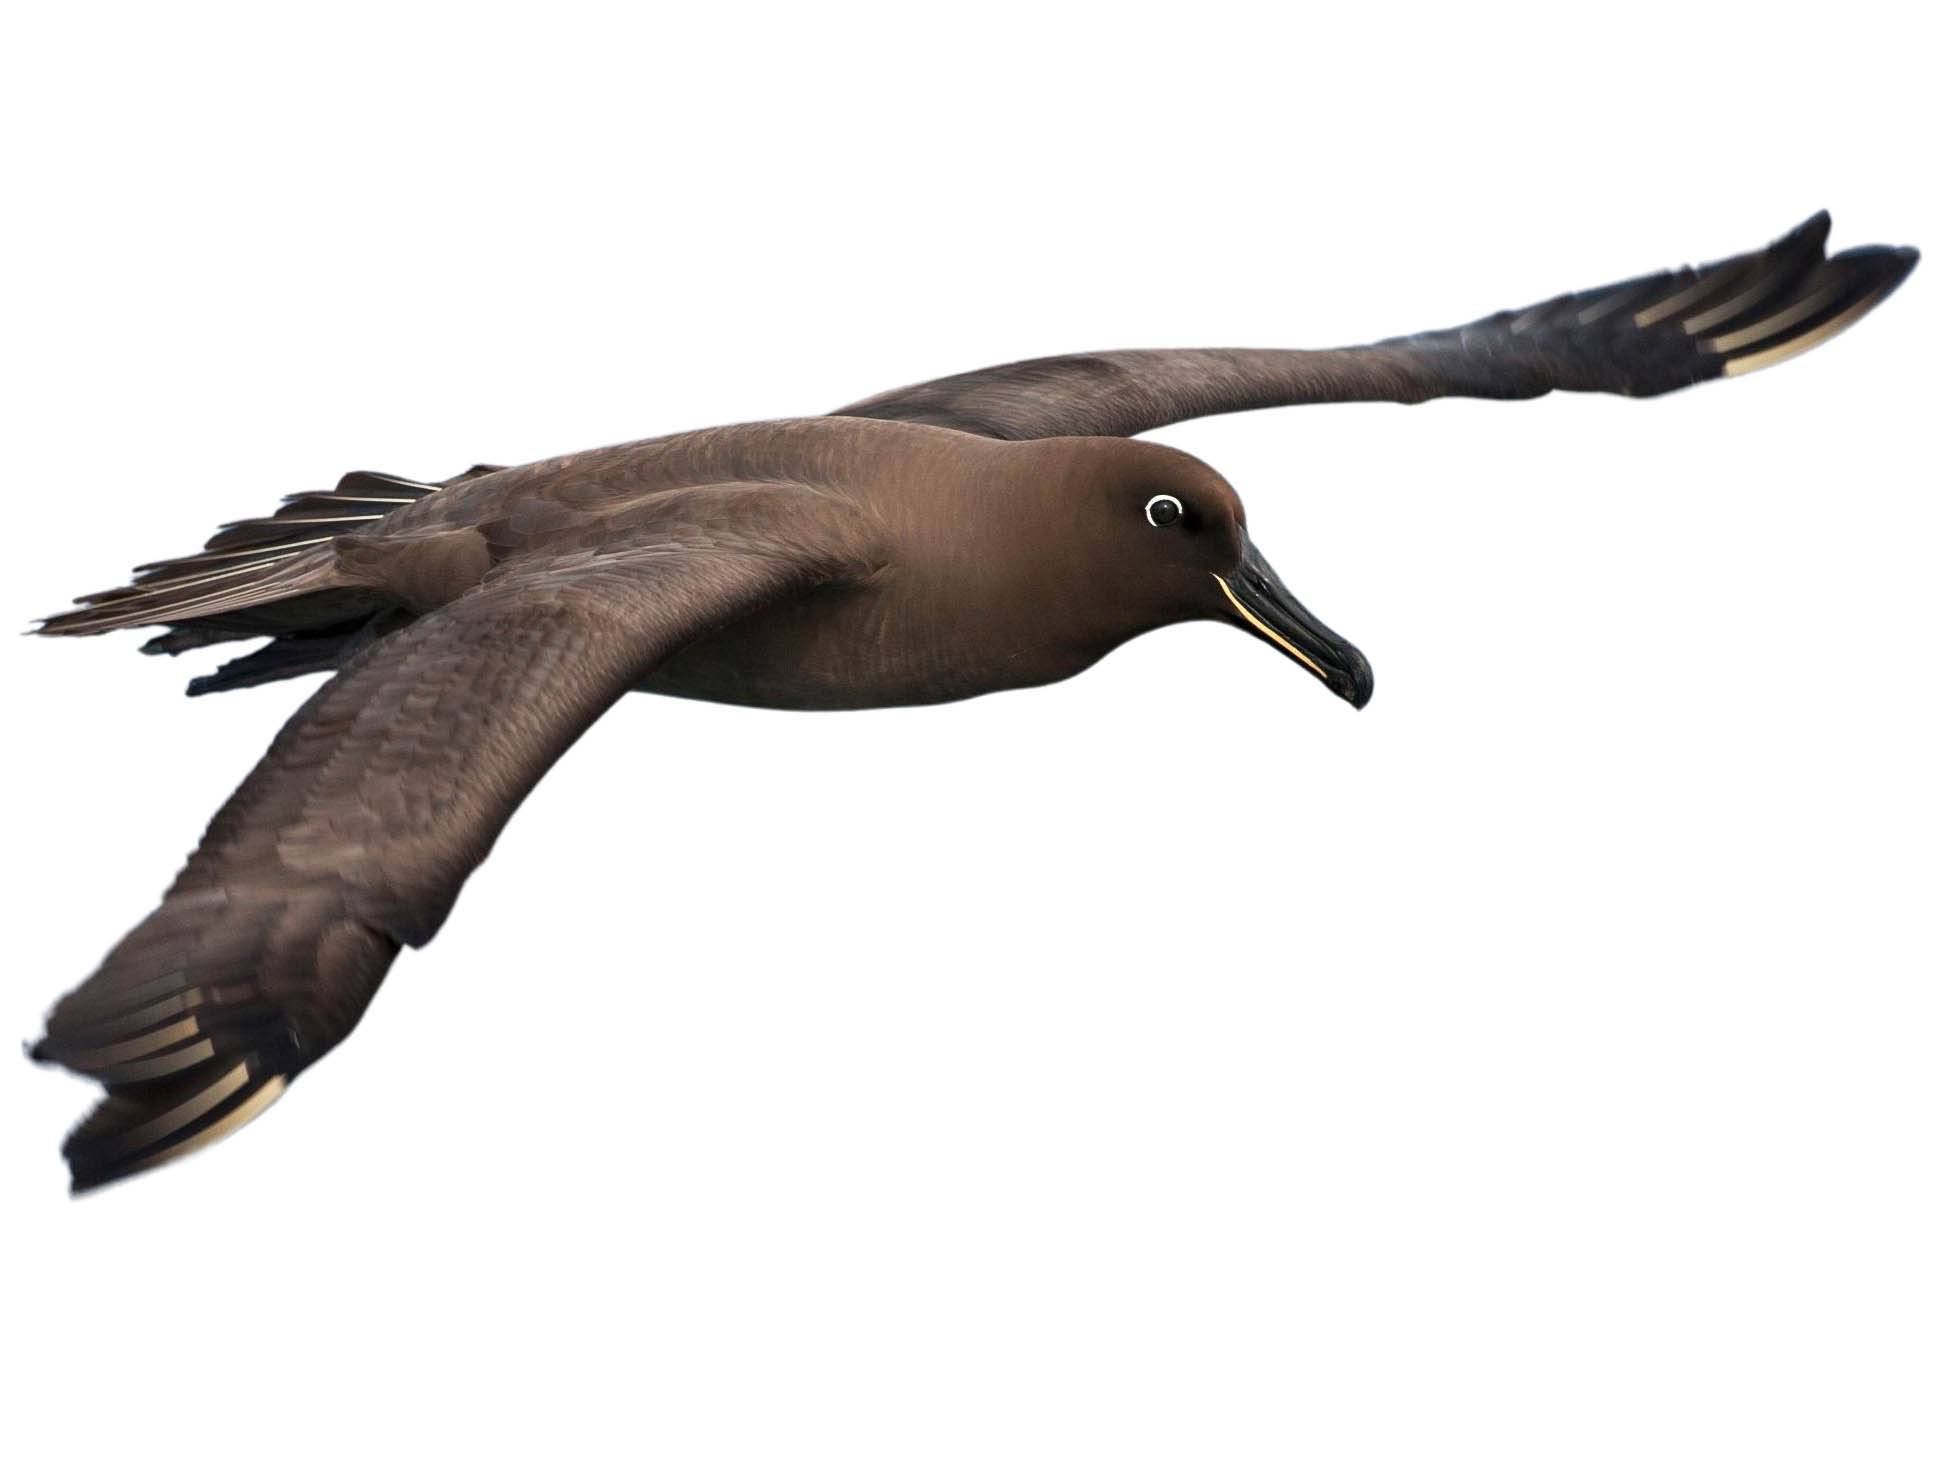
(1638, 339)
(354, 834)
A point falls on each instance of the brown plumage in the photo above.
(982, 532)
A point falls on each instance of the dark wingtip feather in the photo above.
(1826, 300)
(133, 1130)
(200, 1017)
(278, 659)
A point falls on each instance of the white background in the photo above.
(1548, 1064)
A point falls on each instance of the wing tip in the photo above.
(1816, 229)
(125, 1135)
(1875, 272)
(187, 1033)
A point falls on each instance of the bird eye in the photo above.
(1163, 509)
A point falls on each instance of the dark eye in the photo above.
(1163, 509)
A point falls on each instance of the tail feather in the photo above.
(356, 500)
(248, 563)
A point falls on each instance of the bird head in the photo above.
(1169, 535)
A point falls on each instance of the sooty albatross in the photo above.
(476, 626)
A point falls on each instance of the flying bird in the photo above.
(986, 531)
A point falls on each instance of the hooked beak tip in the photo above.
(1362, 682)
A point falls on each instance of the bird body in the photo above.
(994, 530)
(970, 571)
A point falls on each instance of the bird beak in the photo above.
(1258, 597)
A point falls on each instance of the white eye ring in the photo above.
(1163, 509)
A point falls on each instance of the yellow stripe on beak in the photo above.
(1267, 630)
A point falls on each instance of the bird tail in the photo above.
(254, 577)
